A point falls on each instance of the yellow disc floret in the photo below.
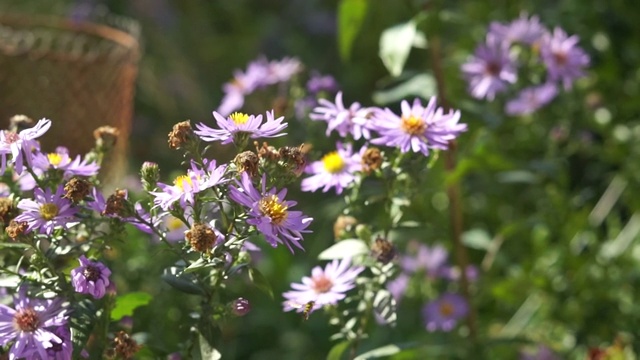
(272, 207)
(54, 159)
(183, 180)
(48, 211)
(446, 309)
(239, 118)
(413, 125)
(333, 162)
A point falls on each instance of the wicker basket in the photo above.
(80, 75)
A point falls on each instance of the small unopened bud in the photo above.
(150, 174)
(106, 137)
(122, 347)
(201, 237)
(7, 210)
(342, 225)
(180, 135)
(240, 307)
(15, 228)
(383, 250)
(76, 189)
(117, 204)
(18, 123)
(247, 161)
(371, 160)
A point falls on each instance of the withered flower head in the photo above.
(247, 161)
(201, 237)
(18, 123)
(7, 210)
(371, 160)
(122, 347)
(180, 134)
(383, 250)
(294, 157)
(76, 189)
(16, 229)
(117, 204)
(343, 224)
(266, 151)
(106, 136)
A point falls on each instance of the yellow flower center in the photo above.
(272, 207)
(182, 180)
(413, 125)
(174, 223)
(54, 159)
(446, 309)
(333, 162)
(239, 118)
(48, 211)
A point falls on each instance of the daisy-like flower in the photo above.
(531, 99)
(565, 61)
(418, 128)
(523, 29)
(63, 350)
(352, 120)
(21, 145)
(490, 69)
(48, 211)
(336, 170)
(185, 187)
(61, 160)
(282, 70)
(31, 325)
(237, 127)
(270, 213)
(444, 312)
(326, 286)
(91, 277)
(432, 260)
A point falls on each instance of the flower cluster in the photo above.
(495, 64)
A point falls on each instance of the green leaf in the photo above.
(126, 304)
(351, 14)
(344, 248)
(207, 351)
(422, 85)
(14, 245)
(201, 264)
(82, 322)
(395, 45)
(477, 239)
(337, 350)
(260, 281)
(185, 283)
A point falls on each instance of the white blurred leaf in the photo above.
(422, 85)
(395, 45)
(344, 249)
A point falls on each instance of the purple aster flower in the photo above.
(541, 353)
(336, 170)
(185, 187)
(243, 83)
(352, 120)
(270, 213)
(47, 211)
(418, 128)
(63, 350)
(29, 325)
(282, 70)
(238, 125)
(432, 260)
(91, 277)
(565, 61)
(61, 160)
(524, 29)
(453, 273)
(21, 145)
(318, 83)
(324, 287)
(444, 312)
(398, 286)
(490, 69)
(531, 99)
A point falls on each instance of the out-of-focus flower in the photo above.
(33, 325)
(336, 170)
(270, 213)
(352, 120)
(319, 83)
(418, 128)
(531, 99)
(565, 61)
(444, 312)
(453, 273)
(91, 277)
(60, 160)
(432, 260)
(48, 211)
(240, 307)
(523, 29)
(20, 145)
(241, 125)
(490, 69)
(326, 286)
(398, 286)
(541, 353)
(123, 347)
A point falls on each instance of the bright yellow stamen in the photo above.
(48, 211)
(413, 125)
(446, 309)
(333, 162)
(174, 224)
(54, 159)
(239, 118)
(274, 209)
(182, 180)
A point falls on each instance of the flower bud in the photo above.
(106, 137)
(240, 307)
(150, 174)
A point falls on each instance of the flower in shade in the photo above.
(63, 350)
(241, 125)
(91, 277)
(531, 99)
(21, 145)
(336, 170)
(270, 213)
(61, 160)
(352, 120)
(490, 69)
(418, 128)
(47, 211)
(523, 29)
(32, 325)
(326, 286)
(432, 260)
(444, 312)
(185, 187)
(565, 61)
